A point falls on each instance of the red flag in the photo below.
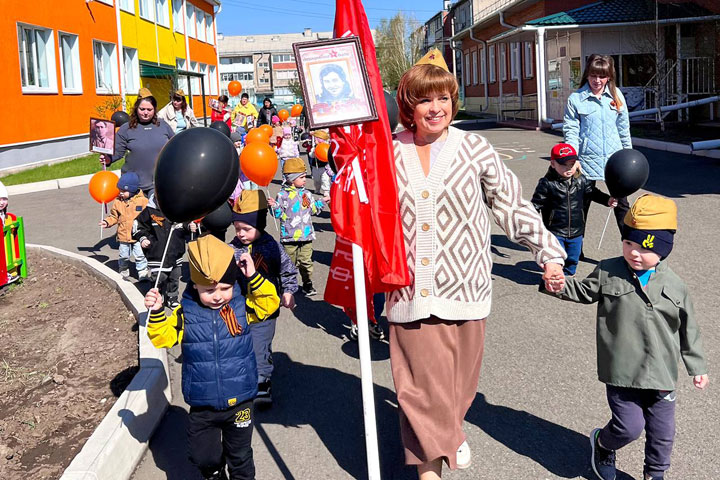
(364, 207)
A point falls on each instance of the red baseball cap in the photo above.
(562, 152)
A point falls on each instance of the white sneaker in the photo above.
(463, 456)
(144, 275)
(125, 274)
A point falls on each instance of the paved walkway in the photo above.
(538, 395)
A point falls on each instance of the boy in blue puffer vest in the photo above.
(219, 374)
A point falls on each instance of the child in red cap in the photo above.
(560, 197)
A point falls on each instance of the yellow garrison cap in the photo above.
(321, 134)
(294, 165)
(209, 259)
(434, 57)
(250, 201)
(651, 212)
(144, 92)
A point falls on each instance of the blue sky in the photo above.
(253, 17)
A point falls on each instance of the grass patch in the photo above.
(72, 168)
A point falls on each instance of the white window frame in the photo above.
(473, 54)
(178, 16)
(200, 24)
(107, 2)
(147, 13)
(493, 64)
(74, 66)
(162, 13)
(132, 75)
(514, 60)
(209, 32)
(48, 60)
(204, 71)
(195, 81)
(529, 59)
(483, 65)
(182, 80)
(212, 73)
(503, 62)
(113, 88)
(466, 68)
(127, 6)
(190, 20)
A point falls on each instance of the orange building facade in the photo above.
(76, 60)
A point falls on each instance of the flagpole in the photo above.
(368, 397)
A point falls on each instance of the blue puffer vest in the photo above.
(218, 370)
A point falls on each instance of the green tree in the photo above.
(296, 89)
(398, 44)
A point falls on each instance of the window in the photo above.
(493, 64)
(146, 9)
(209, 28)
(474, 68)
(190, 23)
(229, 77)
(263, 80)
(283, 58)
(263, 64)
(636, 70)
(286, 74)
(514, 60)
(106, 75)
(283, 91)
(161, 11)
(37, 59)
(182, 80)
(70, 63)
(200, 24)
(213, 80)
(483, 66)
(503, 62)
(128, 5)
(466, 68)
(528, 59)
(132, 70)
(206, 79)
(178, 21)
(194, 81)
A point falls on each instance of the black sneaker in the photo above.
(648, 476)
(264, 394)
(309, 290)
(601, 459)
(353, 332)
(172, 303)
(376, 331)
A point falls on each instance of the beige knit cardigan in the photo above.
(446, 227)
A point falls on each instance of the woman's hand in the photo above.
(553, 277)
(153, 299)
(105, 160)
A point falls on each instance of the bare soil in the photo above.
(68, 349)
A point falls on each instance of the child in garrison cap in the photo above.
(250, 218)
(645, 324)
(218, 369)
(560, 197)
(294, 206)
(128, 205)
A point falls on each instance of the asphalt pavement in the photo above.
(538, 396)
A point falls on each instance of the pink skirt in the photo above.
(436, 368)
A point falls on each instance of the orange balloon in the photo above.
(283, 114)
(266, 129)
(256, 136)
(296, 110)
(321, 151)
(234, 88)
(103, 186)
(259, 162)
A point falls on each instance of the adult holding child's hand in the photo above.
(452, 185)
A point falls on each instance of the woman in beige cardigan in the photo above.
(437, 323)
(177, 114)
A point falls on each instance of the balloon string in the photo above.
(605, 228)
(101, 220)
(272, 211)
(162, 263)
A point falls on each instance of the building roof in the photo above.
(266, 43)
(621, 11)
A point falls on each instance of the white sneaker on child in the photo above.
(143, 275)
(463, 456)
(125, 274)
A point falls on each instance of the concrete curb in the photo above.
(673, 147)
(52, 184)
(120, 440)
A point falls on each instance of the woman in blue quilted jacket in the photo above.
(596, 122)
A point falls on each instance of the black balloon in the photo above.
(221, 127)
(626, 171)
(392, 111)
(196, 172)
(305, 136)
(219, 219)
(120, 118)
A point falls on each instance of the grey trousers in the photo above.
(262, 334)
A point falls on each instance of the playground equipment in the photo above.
(13, 259)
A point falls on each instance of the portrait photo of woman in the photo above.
(334, 85)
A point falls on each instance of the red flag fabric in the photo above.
(364, 205)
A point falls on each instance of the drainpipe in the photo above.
(456, 49)
(121, 56)
(485, 55)
(217, 48)
(540, 74)
(503, 22)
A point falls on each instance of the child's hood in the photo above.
(3, 191)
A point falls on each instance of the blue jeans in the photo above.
(573, 247)
(124, 256)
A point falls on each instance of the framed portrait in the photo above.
(334, 81)
(102, 136)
